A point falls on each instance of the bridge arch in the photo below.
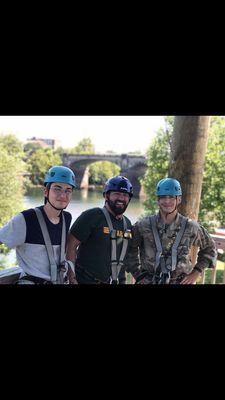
(133, 167)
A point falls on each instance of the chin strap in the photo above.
(58, 209)
(175, 209)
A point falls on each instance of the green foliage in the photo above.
(101, 171)
(158, 156)
(12, 168)
(30, 148)
(12, 145)
(64, 150)
(213, 189)
(85, 146)
(39, 162)
(11, 187)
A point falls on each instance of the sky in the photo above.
(120, 134)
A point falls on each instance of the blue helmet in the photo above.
(118, 184)
(168, 187)
(60, 174)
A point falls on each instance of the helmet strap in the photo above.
(58, 209)
(175, 209)
(47, 200)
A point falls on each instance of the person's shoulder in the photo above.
(143, 222)
(16, 219)
(87, 219)
(28, 213)
(92, 211)
(128, 221)
(192, 223)
(90, 214)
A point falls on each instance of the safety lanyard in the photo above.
(116, 266)
(55, 277)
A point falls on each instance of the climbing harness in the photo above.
(165, 270)
(115, 265)
(57, 272)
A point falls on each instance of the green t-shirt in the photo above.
(94, 252)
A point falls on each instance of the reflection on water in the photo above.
(82, 200)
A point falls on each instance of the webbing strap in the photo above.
(177, 242)
(55, 278)
(159, 245)
(157, 241)
(116, 267)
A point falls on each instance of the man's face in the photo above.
(117, 201)
(59, 194)
(168, 204)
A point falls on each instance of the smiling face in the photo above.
(117, 201)
(59, 195)
(168, 204)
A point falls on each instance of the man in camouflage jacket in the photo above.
(161, 244)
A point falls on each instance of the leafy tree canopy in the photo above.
(101, 171)
(213, 190)
(11, 178)
(39, 162)
(12, 145)
(30, 147)
(85, 146)
(158, 155)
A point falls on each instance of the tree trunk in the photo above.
(189, 144)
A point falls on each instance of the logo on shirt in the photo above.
(120, 234)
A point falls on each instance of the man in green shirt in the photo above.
(162, 243)
(99, 239)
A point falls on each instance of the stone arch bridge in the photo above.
(131, 166)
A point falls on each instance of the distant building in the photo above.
(52, 143)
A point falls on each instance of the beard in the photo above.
(117, 209)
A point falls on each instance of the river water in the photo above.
(82, 200)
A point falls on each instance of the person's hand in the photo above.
(191, 278)
(70, 272)
(71, 276)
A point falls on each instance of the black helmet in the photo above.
(118, 184)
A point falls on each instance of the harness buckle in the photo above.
(113, 281)
(127, 234)
(113, 234)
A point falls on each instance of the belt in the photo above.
(35, 279)
(153, 278)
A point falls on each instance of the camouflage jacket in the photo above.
(142, 253)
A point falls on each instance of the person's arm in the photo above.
(71, 255)
(207, 256)
(132, 261)
(13, 233)
(191, 278)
